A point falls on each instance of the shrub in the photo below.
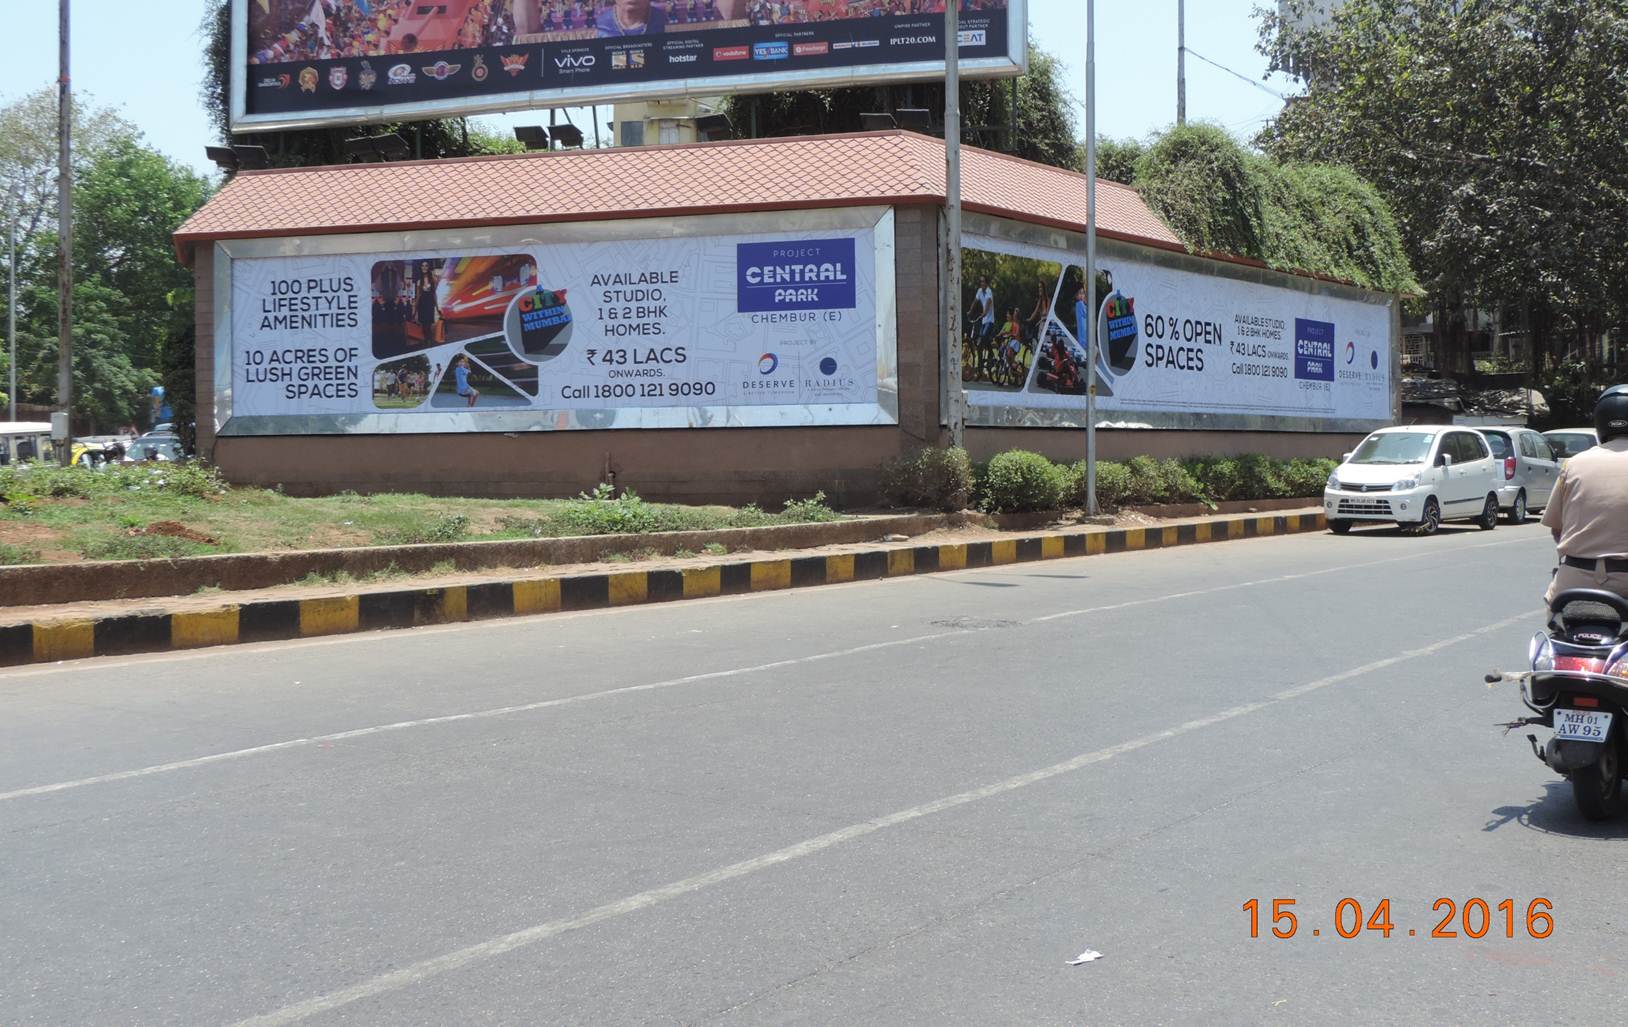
(1113, 484)
(1220, 477)
(813, 510)
(1306, 477)
(940, 479)
(142, 547)
(1019, 480)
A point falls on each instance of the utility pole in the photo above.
(951, 303)
(11, 299)
(1090, 340)
(64, 246)
(1181, 62)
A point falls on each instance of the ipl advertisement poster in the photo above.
(578, 332)
(317, 61)
(1170, 340)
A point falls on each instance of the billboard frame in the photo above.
(879, 220)
(241, 121)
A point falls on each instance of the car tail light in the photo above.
(1509, 468)
(1579, 664)
(1585, 702)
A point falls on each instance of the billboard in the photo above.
(717, 328)
(298, 63)
(1173, 342)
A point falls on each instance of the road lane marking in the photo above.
(451, 961)
(504, 711)
(452, 718)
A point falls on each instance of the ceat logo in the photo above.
(1350, 353)
(441, 70)
(514, 63)
(767, 363)
(732, 53)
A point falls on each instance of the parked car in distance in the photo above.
(1527, 470)
(1568, 442)
(1417, 477)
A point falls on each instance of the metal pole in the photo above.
(64, 240)
(11, 301)
(952, 222)
(1090, 340)
(1181, 62)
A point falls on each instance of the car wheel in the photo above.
(1340, 527)
(1517, 513)
(1489, 513)
(1431, 523)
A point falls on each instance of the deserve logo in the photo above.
(768, 363)
(775, 50)
(1313, 350)
(1350, 353)
(812, 274)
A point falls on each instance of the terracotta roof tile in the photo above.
(811, 171)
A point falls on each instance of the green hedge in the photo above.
(1018, 480)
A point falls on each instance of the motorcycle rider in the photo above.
(1588, 512)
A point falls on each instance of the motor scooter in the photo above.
(1578, 686)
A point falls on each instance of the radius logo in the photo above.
(768, 363)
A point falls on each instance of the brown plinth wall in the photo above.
(734, 465)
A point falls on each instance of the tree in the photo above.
(1493, 128)
(28, 153)
(1116, 159)
(1043, 130)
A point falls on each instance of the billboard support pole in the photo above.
(11, 300)
(951, 311)
(1091, 316)
(64, 245)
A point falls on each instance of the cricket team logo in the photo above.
(366, 76)
(338, 76)
(478, 71)
(514, 63)
(308, 80)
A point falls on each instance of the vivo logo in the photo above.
(571, 62)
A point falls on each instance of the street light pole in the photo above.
(64, 245)
(951, 305)
(16, 204)
(1091, 317)
(1181, 62)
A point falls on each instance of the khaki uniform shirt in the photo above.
(1590, 503)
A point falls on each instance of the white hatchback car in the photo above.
(1528, 470)
(1417, 477)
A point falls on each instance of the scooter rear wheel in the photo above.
(1598, 789)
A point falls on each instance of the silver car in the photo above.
(1527, 470)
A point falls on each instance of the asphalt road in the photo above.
(897, 802)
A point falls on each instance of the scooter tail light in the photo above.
(1587, 702)
(1509, 468)
(1579, 665)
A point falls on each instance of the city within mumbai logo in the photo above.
(308, 80)
(514, 63)
(767, 363)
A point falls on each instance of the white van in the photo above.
(1417, 477)
(25, 441)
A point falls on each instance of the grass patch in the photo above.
(11, 555)
(92, 513)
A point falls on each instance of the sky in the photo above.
(144, 60)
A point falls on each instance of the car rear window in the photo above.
(1569, 444)
(1499, 444)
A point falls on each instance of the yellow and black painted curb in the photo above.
(280, 619)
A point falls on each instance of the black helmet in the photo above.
(1611, 414)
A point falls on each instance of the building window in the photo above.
(668, 130)
(632, 133)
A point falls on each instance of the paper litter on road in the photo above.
(1085, 957)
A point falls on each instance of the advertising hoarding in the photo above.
(299, 63)
(1173, 342)
(712, 328)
